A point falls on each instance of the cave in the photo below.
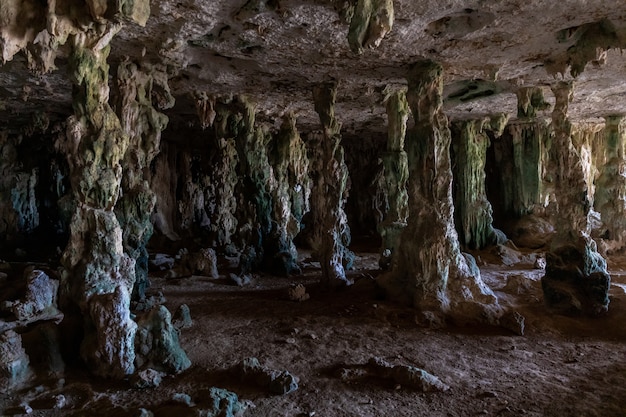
(312, 208)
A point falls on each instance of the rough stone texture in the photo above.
(473, 212)
(531, 231)
(370, 22)
(110, 336)
(157, 343)
(329, 193)
(220, 403)
(13, 360)
(396, 174)
(407, 376)
(576, 279)
(428, 269)
(182, 317)
(40, 298)
(519, 161)
(290, 197)
(94, 260)
(610, 193)
(277, 382)
(529, 101)
(138, 87)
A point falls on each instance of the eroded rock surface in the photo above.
(576, 278)
(428, 269)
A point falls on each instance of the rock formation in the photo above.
(576, 279)
(143, 125)
(472, 210)
(329, 193)
(396, 175)
(428, 269)
(610, 193)
(290, 197)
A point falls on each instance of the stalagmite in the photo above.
(396, 175)
(329, 192)
(576, 279)
(472, 209)
(98, 276)
(143, 124)
(290, 197)
(428, 269)
(610, 195)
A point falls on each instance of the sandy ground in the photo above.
(562, 366)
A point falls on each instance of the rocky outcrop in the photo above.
(329, 193)
(576, 278)
(396, 173)
(428, 269)
(472, 210)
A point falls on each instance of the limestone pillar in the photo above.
(473, 212)
(576, 279)
(98, 276)
(428, 269)
(610, 195)
(329, 194)
(143, 124)
(396, 175)
(290, 197)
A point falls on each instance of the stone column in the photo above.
(329, 195)
(610, 196)
(428, 269)
(576, 279)
(98, 276)
(143, 124)
(396, 175)
(473, 212)
(290, 197)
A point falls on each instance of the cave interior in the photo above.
(312, 207)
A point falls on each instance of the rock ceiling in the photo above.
(274, 51)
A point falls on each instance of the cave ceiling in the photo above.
(275, 51)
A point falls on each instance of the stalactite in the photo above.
(371, 21)
(143, 124)
(396, 175)
(529, 101)
(329, 193)
(428, 269)
(290, 197)
(576, 279)
(610, 195)
(473, 212)
(520, 158)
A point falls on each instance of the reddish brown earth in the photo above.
(562, 366)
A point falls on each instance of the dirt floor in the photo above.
(561, 366)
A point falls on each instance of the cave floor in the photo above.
(562, 366)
